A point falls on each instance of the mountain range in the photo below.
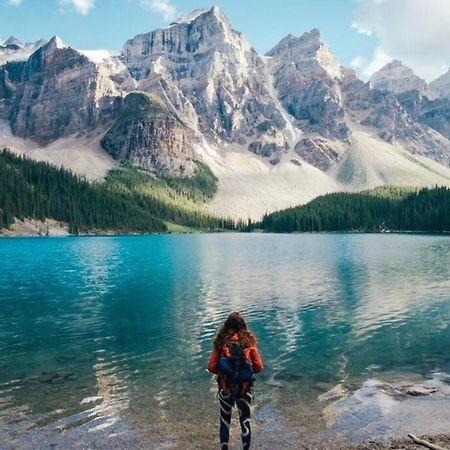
(277, 129)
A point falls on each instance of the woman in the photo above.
(234, 359)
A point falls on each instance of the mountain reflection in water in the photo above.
(98, 330)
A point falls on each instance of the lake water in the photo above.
(107, 338)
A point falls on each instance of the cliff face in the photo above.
(198, 85)
(10, 75)
(212, 75)
(56, 95)
(306, 77)
(417, 113)
(147, 133)
(440, 88)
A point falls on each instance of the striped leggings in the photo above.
(226, 405)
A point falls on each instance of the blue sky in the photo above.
(361, 33)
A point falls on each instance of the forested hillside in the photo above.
(37, 190)
(393, 209)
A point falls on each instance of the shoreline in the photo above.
(6, 233)
(110, 433)
(101, 426)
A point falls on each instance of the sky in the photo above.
(363, 34)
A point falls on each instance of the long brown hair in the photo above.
(235, 324)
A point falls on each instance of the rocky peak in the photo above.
(55, 57)
(309, 53)
(308, 40)
(202, 32)
(51, 47)
(307, 80)
(13, 50)
(206, 67)
(440, 88)
(398, 78)
(200, 79)
(12, 42)
(56, 95)
(53, 44)
(187, 18)
(213, 13)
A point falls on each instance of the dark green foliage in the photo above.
(137, 104)
(202, 186)
(37, 190)
(30, 189)
(175, 199)
(424, 210)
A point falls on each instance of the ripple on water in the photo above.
(134, 319)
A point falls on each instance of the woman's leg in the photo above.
(243, 405)
(226, 405)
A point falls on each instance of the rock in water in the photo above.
(56, 377)
(418, 391)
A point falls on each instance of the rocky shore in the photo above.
(359, 425)
(404, 444)
(30, 227)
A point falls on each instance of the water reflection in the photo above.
(93, 330)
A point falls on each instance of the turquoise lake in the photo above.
(108, 337)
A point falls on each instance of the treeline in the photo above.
(200, 187)
(177, 200)
(423, 210)
(38, 190)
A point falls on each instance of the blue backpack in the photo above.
(236, 368)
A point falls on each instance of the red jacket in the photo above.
(251, 354)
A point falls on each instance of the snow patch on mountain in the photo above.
(96, 56)
(17, 52)
(190, 17)
(13, 42)
(277, 130)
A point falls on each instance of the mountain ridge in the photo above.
(276, 129)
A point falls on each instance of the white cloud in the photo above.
(358, 62)
(379, 60)
(360, 29)
(417, 32)
(163, 7)
(15, 2)
(81, 6)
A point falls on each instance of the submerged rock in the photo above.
(56, 377)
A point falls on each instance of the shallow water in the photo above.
(101, 331)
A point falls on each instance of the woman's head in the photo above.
(235, 324)
(235, 321)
